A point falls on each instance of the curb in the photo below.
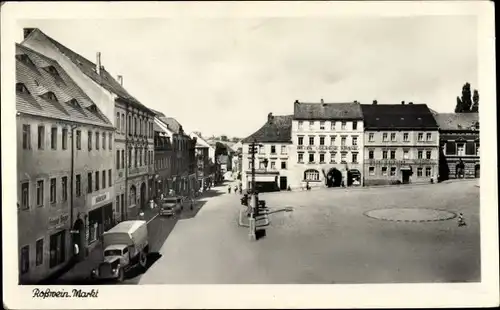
(454, 215)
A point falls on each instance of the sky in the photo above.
(223, 76)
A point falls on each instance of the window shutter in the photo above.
(470, 149)
(451, 148)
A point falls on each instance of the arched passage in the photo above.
(333, 178)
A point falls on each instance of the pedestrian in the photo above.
(236, 189)
(229, 189)
(461, 221)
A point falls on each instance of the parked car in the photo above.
(171, 205)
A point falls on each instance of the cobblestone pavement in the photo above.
(328, 239)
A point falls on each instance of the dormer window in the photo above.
(21, 88)
(52, 70)
(50, 96)
(74, 103)
(25, 59)
(93, 108)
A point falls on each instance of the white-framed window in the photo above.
(343, 125)
(273, 165)
(332, 125)
(25, 195)
(311, 140)
(384, 154)
(354, 157)
(460, 149)
(428, 171)
(384, 171)
(354, 140)
(78, 139)
(311, 157)
(41, 137)
(300, 157)
(261, 149)
(96, 140)
(283, 165)
(405, 136)
(428, 136)
(64, 188)
(393, 171)
(321, 140)
(311, 125)
(53, 190)
(332, 140)
(420, 154)
(39, 252)
(371, 137)
(384, 136)
(311, 175)
(354, 125)
(393, 154)
(321, 158)
(300, 125)
(332, 157)
(322, 125)
(53, 138)
(26, 137)
(343, 158)
(371, 170)
(420, 136)
(371, 154)
(273, 149)
(419, 171)
(428, 154)
(283, 149)
(300, 140)
(24, 259)
(343, 141)
(406, 154)
(393, 136)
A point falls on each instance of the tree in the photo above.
(459, 106)
(466, 98)
(475, 102)
(224, 138)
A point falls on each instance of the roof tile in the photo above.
(278, 130)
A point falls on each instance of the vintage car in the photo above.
(171, 205)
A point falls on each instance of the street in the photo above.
(332, 236)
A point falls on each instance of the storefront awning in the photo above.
(264, 178)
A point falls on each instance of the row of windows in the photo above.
(343, 140)
(107, 139)
(406, 154)
(262, 150)
(163, 163)
(57, 252)
(406, 136)
(323, 125)
(384, 171)
(139, 156)
(462, 148)
(100, 183)
(137, 125)
(272, 165)
(322, 157)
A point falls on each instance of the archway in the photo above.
(476, 171)
(78, 238)
(133, 196)
(333, 178)
(143, 195)
(353, 177)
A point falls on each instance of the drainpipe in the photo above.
(71, 179)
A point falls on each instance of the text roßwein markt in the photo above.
(75, 293)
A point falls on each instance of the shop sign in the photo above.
(100, 198)
(317, 147)
(58, 221)
(349, 147)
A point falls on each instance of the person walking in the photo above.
(229, 189)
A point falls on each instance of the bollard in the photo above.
(251, 234)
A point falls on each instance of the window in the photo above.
(97, 184)
(129, 158)
(78, 140)
(370, 155)
(419, 172)
(343, 158)
(477, 149)
(321, 158)
(393, 171)
(420, 154)
(89, 182)
(78, 185)
(322, 125)
(41, 137)
(283, 149)
(123, 159)
(354, 140)
(64, 188)
(25, 195)
(428, 171)
(428, 136)
(25, 259)
(103, 141)
(300, 157)
(311, 157)
(273, 165)
(332, 157)
(371, 170)
(273, 149)
(420, 136)
(311, 175)
(354, 157)
(406, 154)
(117, 159)
(117, 204)
(250, 164)
(283, 165)
(321, 140)
(135, 126)
(393, 136)
(89, 140)
(129, 124)
(332, 140)
(64, 138)
(103, 179)
(460, 149)
(96, 140)
(53, 190)
(57, 249)
(26, 137)
(311, 125)
(135, 157)
(300, 125)
(384, 171)
(384, 154)
(332, 125)
(405, 136)
(311, 140)
(428, 154)
(118, 128)
(342, 141)
(123, 123)
(300, 140)
(384, 136)
(393, 154)
(343, 125)
(370, 137)
(110, 141)
(39, 252)
(354, 125)
(20, 87)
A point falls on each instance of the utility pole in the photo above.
(253, 204)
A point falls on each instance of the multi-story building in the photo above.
(459, 143)
(327, 148)
(65, 167)
(272, 159)
(132, 120)
(401, 144)
(203, 161)
(164, 158)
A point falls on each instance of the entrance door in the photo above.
(476, 171)
(283, 183)
(406, 176)
(143, 196)
(78, 237)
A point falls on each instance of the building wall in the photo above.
(470, 157)
(163, 165)
(374, 172)
(40, 222)
(332, 149)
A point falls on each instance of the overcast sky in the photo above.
(222, 76)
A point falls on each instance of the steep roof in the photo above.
(157, 113)
(42, 75)
(161, 127)
(277, 130)
(87, 67)
(172, 124)
(457, 121)
(327, 111)
(398, 116)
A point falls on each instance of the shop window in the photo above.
(371, 170)
(25, 194)
(26, 137)
(419, 172)
(39, 252)
(57, 249)
(25, 259)
(428, 171)
(311, 175)
(393, 171)
(384, 171)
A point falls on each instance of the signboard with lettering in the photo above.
(349, 147)
(100, 198)
(58, 221)
(317, 147)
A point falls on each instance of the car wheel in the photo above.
(143, 260)
(121, 275)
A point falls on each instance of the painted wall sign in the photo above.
(58, 221)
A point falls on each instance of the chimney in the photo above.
(410, 102)
(270, 117)
(98, 63)
(403, 102)
(120, 80)
(27, 32)
(322, 101)
(375, 102)
(296, 101)
(356, 101)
